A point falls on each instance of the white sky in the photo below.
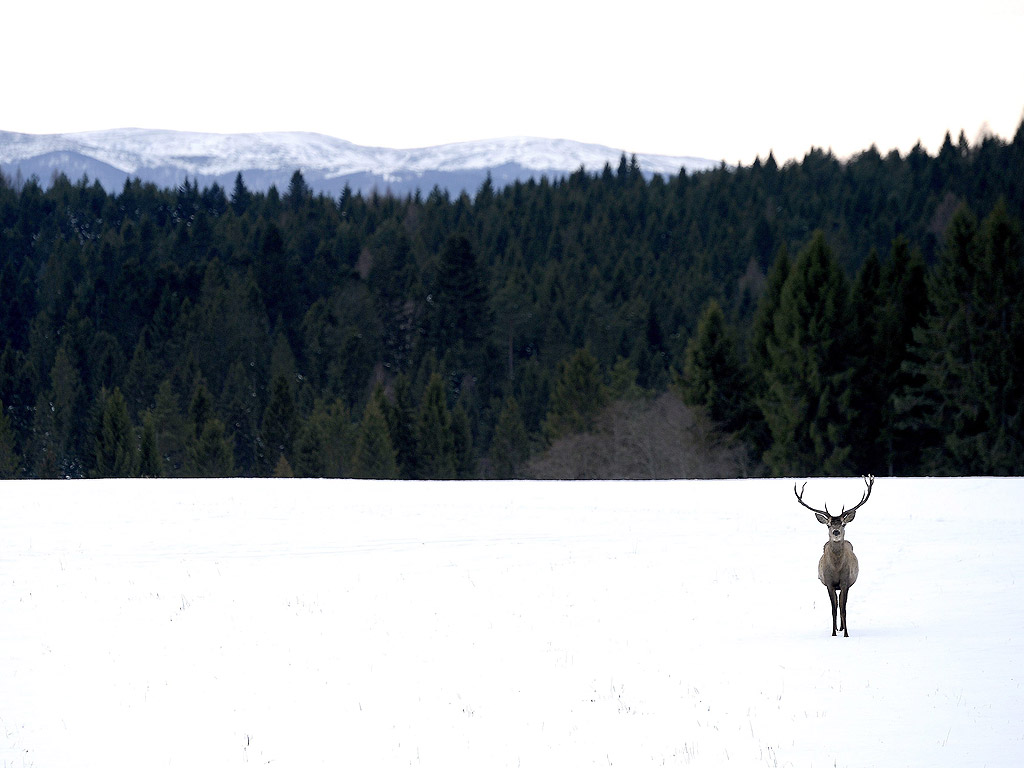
(723, 79)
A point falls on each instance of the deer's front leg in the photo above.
(835, 604)
(842, 612)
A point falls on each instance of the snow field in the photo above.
(307, 623)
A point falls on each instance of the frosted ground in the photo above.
(348, 623)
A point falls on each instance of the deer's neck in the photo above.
(835, 548)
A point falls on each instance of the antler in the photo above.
(869, 479)
(800, 498)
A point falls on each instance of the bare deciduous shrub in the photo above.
(655, 439)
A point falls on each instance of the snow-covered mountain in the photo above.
(167, 158)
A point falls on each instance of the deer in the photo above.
(838, 567)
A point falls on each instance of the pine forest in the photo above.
(822, 317)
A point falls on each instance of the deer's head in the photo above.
(836, 523)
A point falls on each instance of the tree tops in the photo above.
(522, 311)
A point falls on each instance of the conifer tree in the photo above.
(240, 196)
(400, 414)
(279, 420)
(806, 403)
(713, 377)
(142, 376)
(282, 360)
(763, 327)
(9, 462)
(869, 377)
(969, 355)
(200, 408)
(460, 313)
(211, 455)
(339, 435)
(64, 406)
(373, 457)
(46, 459)
(116, 451)
(510, 448)
(435, 442)
(310, 449)
(905, 302)
(578, 397)
(172, 432)
(462, 436)
(652, 366)
(239, 405)
(298, 191)
(150, 464)
(283, 468)
(623, 384)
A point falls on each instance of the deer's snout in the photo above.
(835, 531)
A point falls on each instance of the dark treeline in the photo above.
(822, 317)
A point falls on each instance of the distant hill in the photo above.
(328, 164)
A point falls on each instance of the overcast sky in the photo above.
(723, 79)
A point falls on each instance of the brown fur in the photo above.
(838, 570)
(838, 561)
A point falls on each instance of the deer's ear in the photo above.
(822, 517)
(848, 517)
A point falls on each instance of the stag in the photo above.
(838, 566)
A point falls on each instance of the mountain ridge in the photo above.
(328, 164)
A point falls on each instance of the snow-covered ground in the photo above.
(357, 623)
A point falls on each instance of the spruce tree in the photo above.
(115, 448)
(968, 358)
(578, 397)
(713, 377)
(239, 405)
(211, 455)
(806, 403)
(150, 464)
(763, 328)
(435, 442)
(869, 375)
(240, 196)
(279, 420)
(200, 408)
(311, 449)
(373, 456)
(339, 436)
(462, 436)
(510, 448)
(62, 437)
(903, 303)
(401, 417)
(761, 333)
(172, 431)
(459, 305)
(283, 468)
(9, 461)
